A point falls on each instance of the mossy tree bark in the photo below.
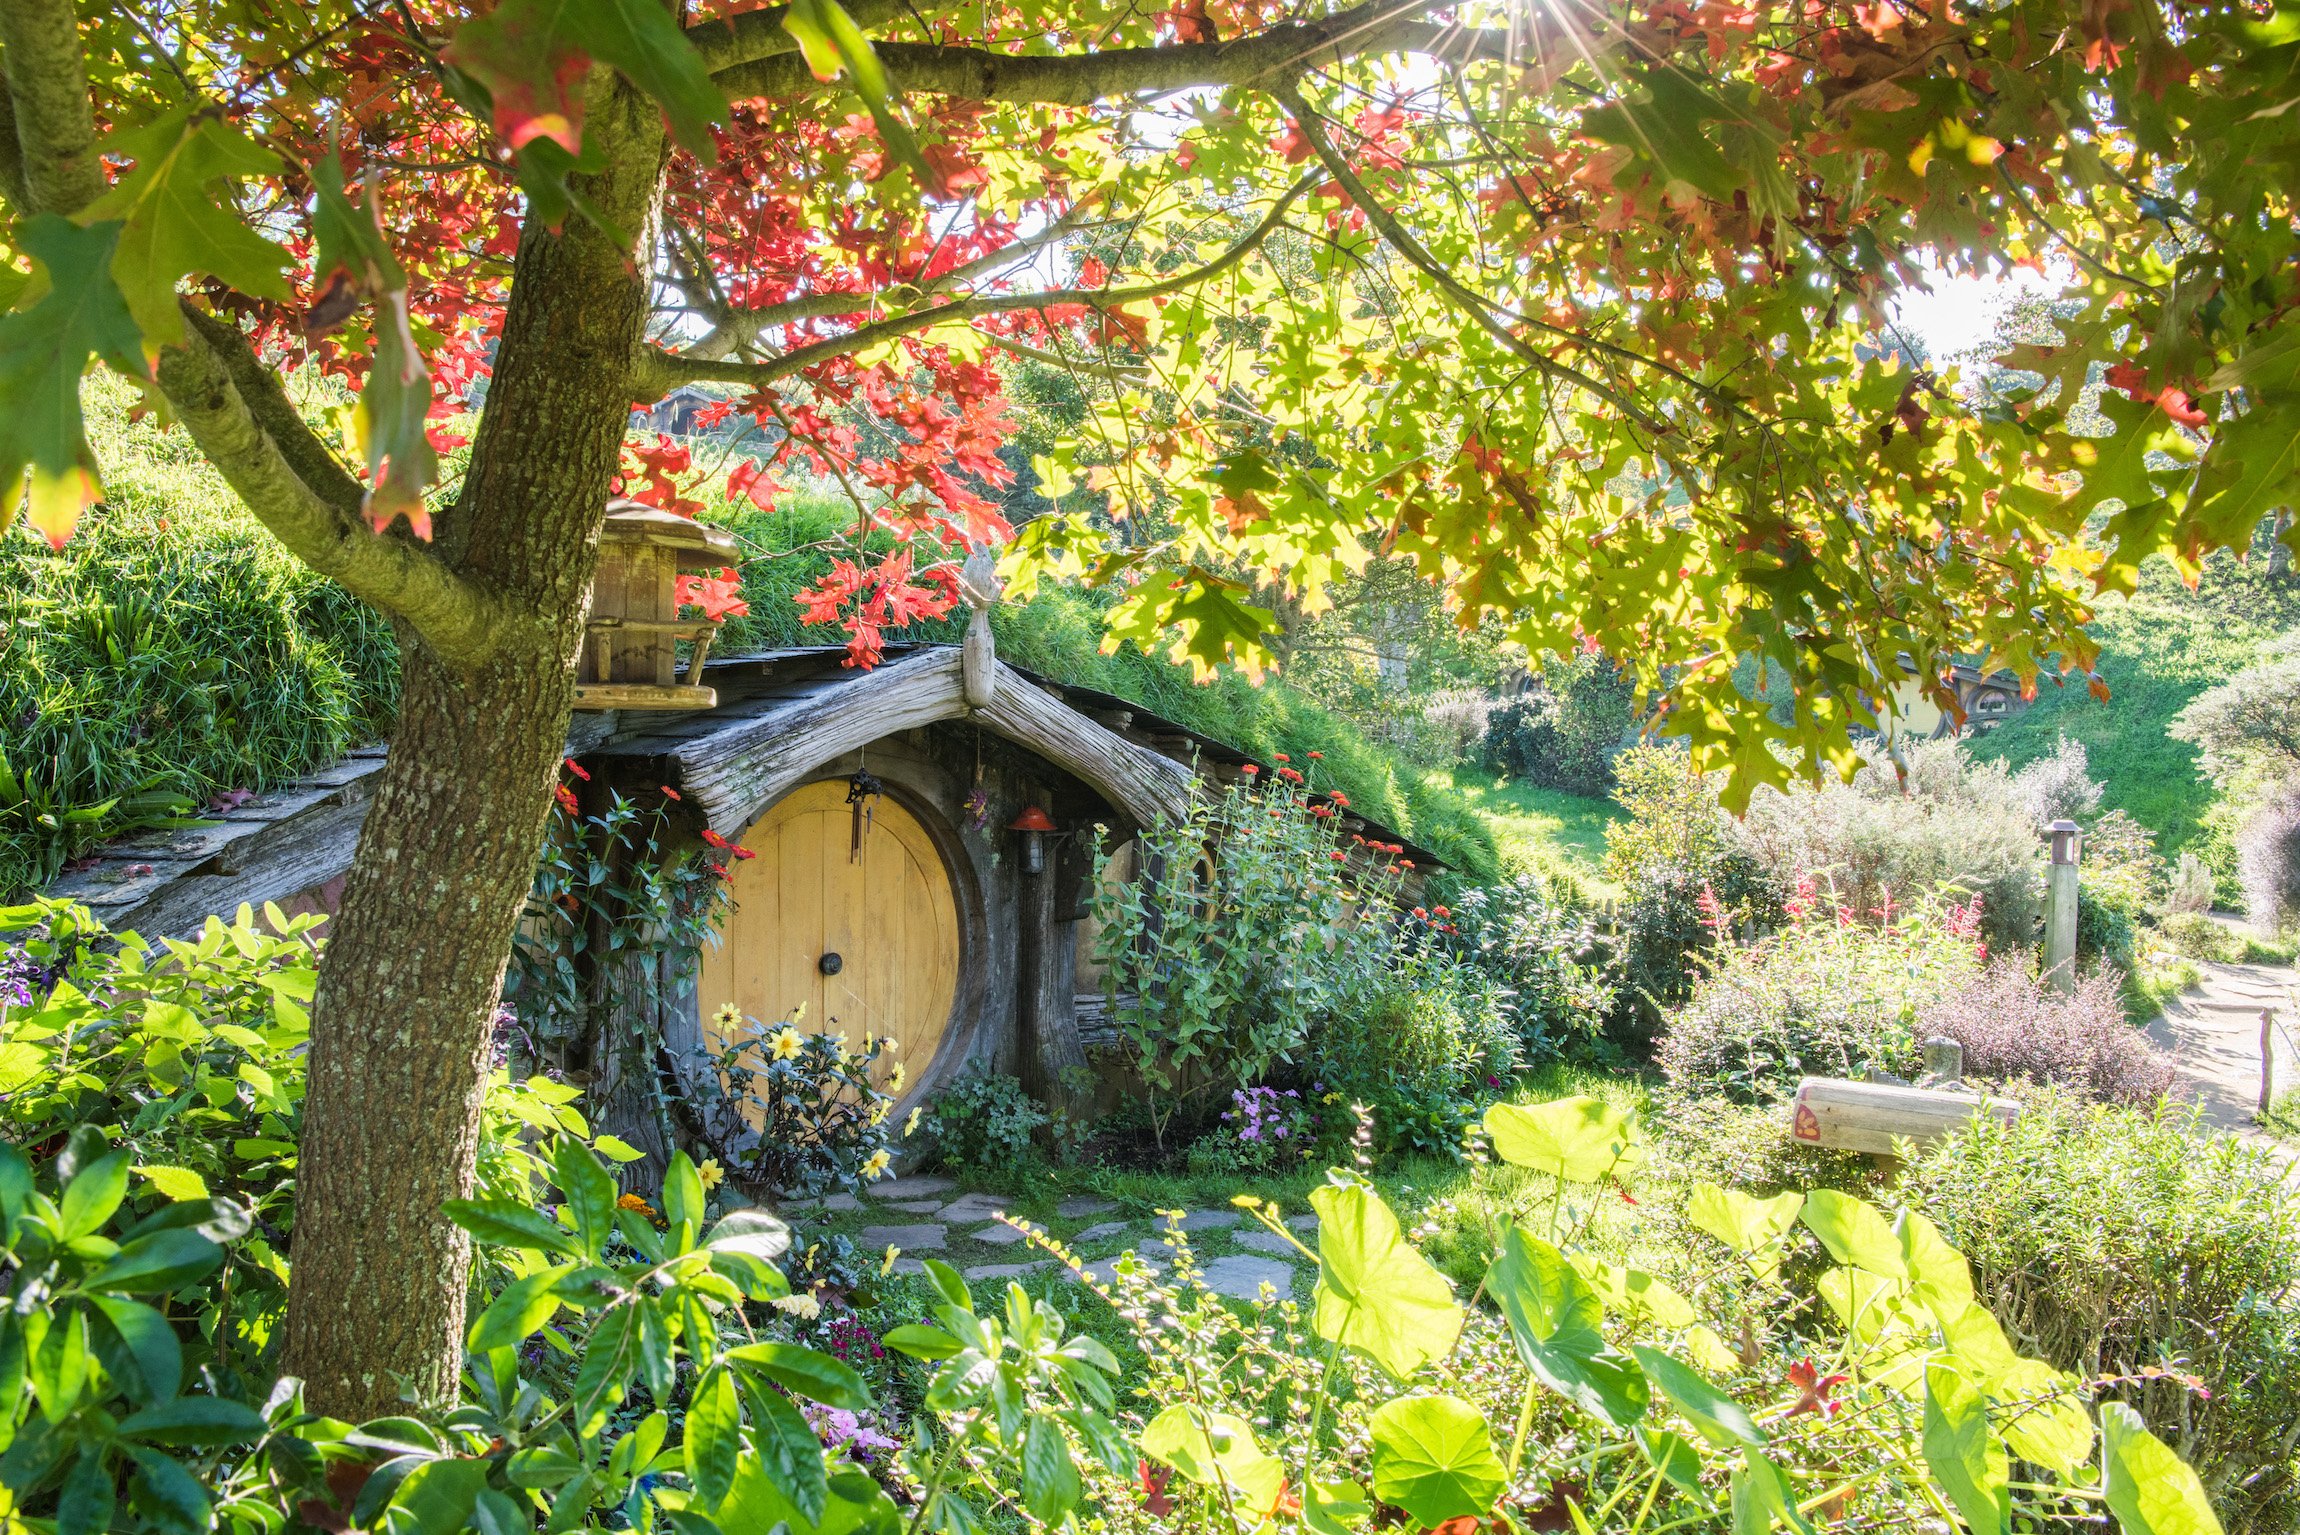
(414, 966)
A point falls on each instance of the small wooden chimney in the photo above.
(630, 646)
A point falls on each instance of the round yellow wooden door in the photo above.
(865, 939)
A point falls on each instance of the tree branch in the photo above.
(749, 36)
(243, 422)
(1079, 79)
(1467, 299)
(734, 330)
(48, 88)
(655, 371)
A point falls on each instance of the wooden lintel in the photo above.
(643, 695)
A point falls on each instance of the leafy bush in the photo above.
(800, 1114)
(628, 1368)
(1546, 958)
(2251, 722)
(1240, 929)
(2014, 1028)
(2193, 887)
(2133, 1248)
(190, 1058)
(2108, 919)
(983, 1123)
(1671, 849)
(1819, 997)
(1955, 828)
(1597, 1396)
(2058, 786)
(1567, 732)
(2268, 860)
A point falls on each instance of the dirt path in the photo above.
(2212, 1033)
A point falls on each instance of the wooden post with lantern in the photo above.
(630, 645)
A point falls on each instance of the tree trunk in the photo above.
(414, 965)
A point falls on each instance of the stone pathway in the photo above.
(2211, 1032)
(1235, 1257)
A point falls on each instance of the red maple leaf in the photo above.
(1813, 1388)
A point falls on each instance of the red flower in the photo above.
(1317, 756)
(715, 839)
(1339, 798)
(1341, 857)
(1406, 862)
(1289, 775)
(1813, 1388)
(742, 854)
(576, 768)
(1441, 911)
(1281, 756)
(1421, 911)
(1249, 770)
(668, 791)
(566, 798)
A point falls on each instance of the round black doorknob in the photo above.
(830, 964)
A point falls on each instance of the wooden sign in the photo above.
(1867, 1116)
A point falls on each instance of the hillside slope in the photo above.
(2159, 649)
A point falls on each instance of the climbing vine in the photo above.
(618, 914)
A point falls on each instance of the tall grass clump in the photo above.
(169, 653)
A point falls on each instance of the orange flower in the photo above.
(634, 1202)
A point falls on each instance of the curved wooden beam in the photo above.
(730, 776)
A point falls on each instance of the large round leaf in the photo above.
(1554, 1320)
(1434, 1458)
(1375, 1293)
(1581, 1140)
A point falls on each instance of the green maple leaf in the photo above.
(43, 352)
(531, 56)
(1662, 122)
(178, 218)
(1210, 624)
(2252, 469)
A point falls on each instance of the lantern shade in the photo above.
(1032, 819)
(630, 645)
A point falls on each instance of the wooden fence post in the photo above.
(2267, 1060)
(2060, 909)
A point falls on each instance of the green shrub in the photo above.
(801, 1114)
(1819, 997)
(1544, 959)
(2197, 936)
(1566, 734)
(1953, 828)
(2133, 1247)
(983, 1124)
(1239, 930)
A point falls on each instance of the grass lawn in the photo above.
(1542, 830)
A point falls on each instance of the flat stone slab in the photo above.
(841, 1202)
(913, 1186)
(916, 1206)
(1302, 1223)
(1003, 1270)
(929, 1236)
(974, 1207)
(1210, 1220)
(1103, 1232)
(908, 1266)
(997, 1234)
(1155, 1251)
(1267, 1242)
(1241, 1277)
(1078, 1206)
